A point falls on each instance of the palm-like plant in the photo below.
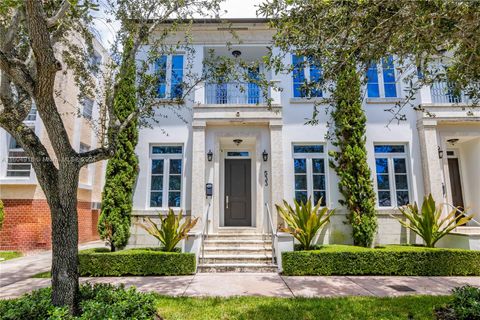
(169, 231)
(428, 222)
(304, 221)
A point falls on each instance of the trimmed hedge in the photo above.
(138, 262)
(390, 260)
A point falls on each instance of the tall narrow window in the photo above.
(384, 85)
(177, 77)
(392, 175)
(18, 163)
(389, 83)
(309, 173)
(315, 77)
(87, 108)
(298, 76)
(253, 89)
(166, 176)
(161, 71)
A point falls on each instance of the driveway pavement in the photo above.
(268, 284)
(18, 269)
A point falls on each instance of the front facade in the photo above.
(226, 143)
(27, 224)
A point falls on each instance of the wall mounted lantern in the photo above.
(209, 155)
(265, 155)
(440, 153)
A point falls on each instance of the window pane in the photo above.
(318, 165)
(383, 182)
(381, 165)
(389, 149)
(155, 199)
(308, 148)
(389, 77)
(300, 182)
(253, 88)
(317, 195)
(157, 166)
(318, 182)
(167, 149)
(402, 198)
(157, 183)
(174, 199)
(390, 90)
(298, 76)
(177, 76)
(176, 166)
(372, 81)
(301, 196)
(161, 71)
(315, 78)
(384, 199)
(401, 182)
(300, 165)
(175, 183)
(238, 153)
(400, 165)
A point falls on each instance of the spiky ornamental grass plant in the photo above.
(304, 221)
(122, 168)
(428, 222)
(170, 231)
(350, 161)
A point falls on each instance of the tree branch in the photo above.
(61, 13)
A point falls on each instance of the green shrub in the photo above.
(138, 262)
(99, 301)
(170, 232)
(428, 222)
(465, 305)
(390, 260)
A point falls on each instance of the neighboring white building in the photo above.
(254, 157)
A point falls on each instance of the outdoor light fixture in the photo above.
(236, 53)
(440, 153)
(452, 141)
(237, 141)
(265, 155)
(209, 155)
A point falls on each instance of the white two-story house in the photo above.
(225, 157)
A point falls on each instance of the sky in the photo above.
(106, 29)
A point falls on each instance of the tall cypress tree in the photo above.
(350, 161)
(122, 168)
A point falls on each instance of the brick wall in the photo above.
(27, 224)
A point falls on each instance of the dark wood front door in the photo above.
(238, 193)
(455, 183)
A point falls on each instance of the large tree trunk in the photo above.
(63, 206)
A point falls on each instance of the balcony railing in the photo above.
(442, 92)
(233, 93)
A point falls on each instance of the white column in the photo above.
(198, 171)
(431, 164)
(276, 167)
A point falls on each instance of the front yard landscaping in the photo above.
(106, 301)
(7, 255)
(389, 260)
(137, 262)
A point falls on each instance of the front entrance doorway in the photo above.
(238, 193)
(455, 184)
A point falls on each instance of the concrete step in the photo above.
(237, 258)
(238, 267)
(238, 236)
(237, 243)
(238, 250)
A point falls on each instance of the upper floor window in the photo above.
(309, 173)
(391, 175)
(381, 80)
(87, 108)
(170, 70)
(305, 71)
(166, 176)
(18, 162)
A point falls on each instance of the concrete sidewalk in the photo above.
(268, 284)
(18, 269)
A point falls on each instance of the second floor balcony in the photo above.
(234, 93)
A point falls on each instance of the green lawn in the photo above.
(409, 307)
(42, 275)
(7, 255)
